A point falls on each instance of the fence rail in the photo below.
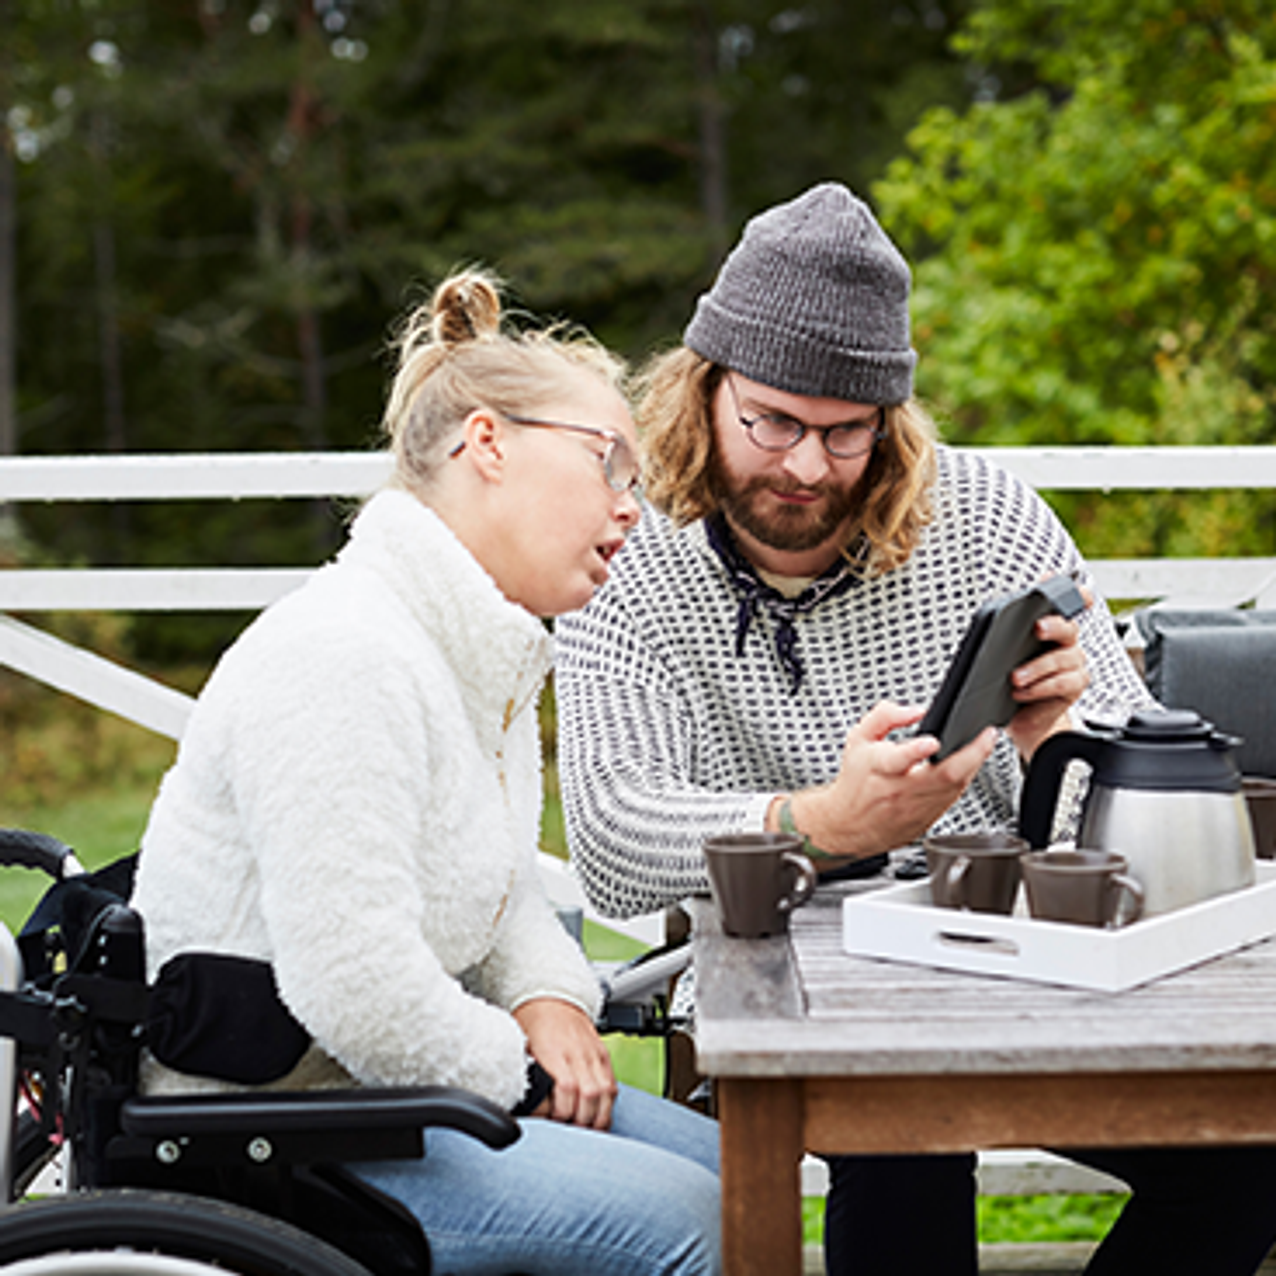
(285, 475)
(247, 475)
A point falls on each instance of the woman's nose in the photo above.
(628, 512)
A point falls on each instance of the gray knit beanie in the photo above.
(813, 300)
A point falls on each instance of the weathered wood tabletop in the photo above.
(820, 1051)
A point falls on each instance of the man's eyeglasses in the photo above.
(620, 465)
(777, 432)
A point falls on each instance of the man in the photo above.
(770, 637)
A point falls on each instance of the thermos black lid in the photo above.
(1167, 726)
(1169, 749)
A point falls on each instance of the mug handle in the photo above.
(1120, 882)
(804, 880)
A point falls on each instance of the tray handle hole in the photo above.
(978, 943)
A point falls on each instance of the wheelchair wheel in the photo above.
(139, 1233)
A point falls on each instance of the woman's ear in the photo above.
(485, 444)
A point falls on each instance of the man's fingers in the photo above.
(886, 717)
(900, 759)
(1055, 628)
(959, 767)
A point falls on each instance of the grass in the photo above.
(82, 776)
(1019, 1220)
(99, 826)
(638, 1061)
(1046, 1219)
(89, 780)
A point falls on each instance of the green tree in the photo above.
(8, 254)
(828, 90)
(1096, 241)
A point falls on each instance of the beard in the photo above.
(748, 504)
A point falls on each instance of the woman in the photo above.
(357, 798)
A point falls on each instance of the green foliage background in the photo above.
(1098, 248)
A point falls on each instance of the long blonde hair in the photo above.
(454, 354)
(675, 421)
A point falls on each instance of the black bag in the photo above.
(208, 1014)
(217, 1015)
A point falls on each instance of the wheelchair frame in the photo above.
(187, 1185)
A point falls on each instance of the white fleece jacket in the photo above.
(357, 800)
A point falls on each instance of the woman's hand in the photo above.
(1047, 687)
(563, 1040)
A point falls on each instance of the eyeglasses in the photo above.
(777, 432)
(620, 465)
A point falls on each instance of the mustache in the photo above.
(785, 487)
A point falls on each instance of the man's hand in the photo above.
(886, 794)
(1047, 687)
(563, 1040)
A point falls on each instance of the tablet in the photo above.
(976, 690)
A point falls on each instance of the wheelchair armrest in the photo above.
(636, 994)
(22, 848)
(318, 1112)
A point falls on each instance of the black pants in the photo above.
(1192, 1212)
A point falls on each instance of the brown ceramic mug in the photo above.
(1085, 887)
(975, 871)
(758, 879)
(1260, 799)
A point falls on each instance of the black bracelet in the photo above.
(540, 1085)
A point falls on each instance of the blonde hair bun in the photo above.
(466, 307)
(454, 354)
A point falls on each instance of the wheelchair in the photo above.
(250, 1182)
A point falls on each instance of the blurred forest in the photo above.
(211, 212)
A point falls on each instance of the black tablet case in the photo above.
(976, 690)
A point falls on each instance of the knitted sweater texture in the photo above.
(357, 800)
(667, 736)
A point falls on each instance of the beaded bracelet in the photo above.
(789, 825)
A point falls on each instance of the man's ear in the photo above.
(486, 438)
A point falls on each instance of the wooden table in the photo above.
(815, 1050)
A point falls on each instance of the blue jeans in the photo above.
(641, 1200)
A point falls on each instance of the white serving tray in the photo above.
(901, 924)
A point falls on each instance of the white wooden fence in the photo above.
(232, 477)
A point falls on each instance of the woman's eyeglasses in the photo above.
(776, 432)
(620, 465)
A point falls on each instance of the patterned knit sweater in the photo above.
(666, 735)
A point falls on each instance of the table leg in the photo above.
(761, 1132)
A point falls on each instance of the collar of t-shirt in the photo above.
(789, 586)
